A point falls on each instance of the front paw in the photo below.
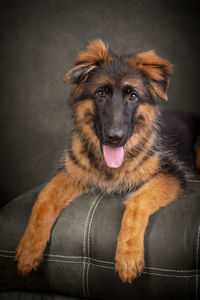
(129, 263)
(28, 254)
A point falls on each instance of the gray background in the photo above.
(39, 43)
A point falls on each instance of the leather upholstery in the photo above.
(78, 260)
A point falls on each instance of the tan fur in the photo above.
(152, 65)
(129, 258)
(150, 61)
(140, 174)
(137, 83)
(84, 124)
(130, 174)
(76, 173)
(81, 170)
(142, 129)
(97, 51)
(51, 201)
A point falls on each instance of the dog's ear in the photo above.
(79, 73)
(97, 54)
(156, 69)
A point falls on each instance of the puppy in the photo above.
(121, 143)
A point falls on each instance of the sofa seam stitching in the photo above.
(85, 244)
(112, 268)
(90, 225)
(166, 275)
(88, 242)
(85, 258)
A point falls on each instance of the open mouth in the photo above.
(113, 150)
(113, 155)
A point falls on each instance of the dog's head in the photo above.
(115, 95)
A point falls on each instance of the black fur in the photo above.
(179, 132)
(175, 133)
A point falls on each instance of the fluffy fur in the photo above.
(114, 104)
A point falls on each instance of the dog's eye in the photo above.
(101, 93)
(133, 96)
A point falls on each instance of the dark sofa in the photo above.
(78, 261)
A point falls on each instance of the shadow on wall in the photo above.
(40, 40)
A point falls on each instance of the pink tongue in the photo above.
(113, 156)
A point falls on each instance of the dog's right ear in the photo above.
(78, 74)
(97, 54)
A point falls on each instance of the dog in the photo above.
(121, 143)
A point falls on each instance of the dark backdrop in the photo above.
(39, 42)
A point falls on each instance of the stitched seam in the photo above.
(88, 244)
(112, 268)
(63, 256)
(46, 254)
(197, 262)
(65, 262)
(4, 255)
(87, 280)
(165, 275)
(84, 243)
(148, 273)
(8, 251)
(85, 258)
(86, 223)
(90, 225)
(170, 270)
(83, 271)
(194, 180)
(105, 267)
(102, 261)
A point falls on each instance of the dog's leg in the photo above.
(129, 258)
(53, 198)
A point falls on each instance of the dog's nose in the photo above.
(115, 134)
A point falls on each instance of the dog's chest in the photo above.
(116, 180)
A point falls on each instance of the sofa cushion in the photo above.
(78, 260)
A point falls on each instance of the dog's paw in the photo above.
(28, 254)
(129, 264)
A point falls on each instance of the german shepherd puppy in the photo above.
(120, 144)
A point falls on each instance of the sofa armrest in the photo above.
(78, 260)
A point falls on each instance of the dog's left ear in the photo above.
(97, 54)
(156, 69)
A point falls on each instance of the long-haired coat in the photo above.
(120, 144)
